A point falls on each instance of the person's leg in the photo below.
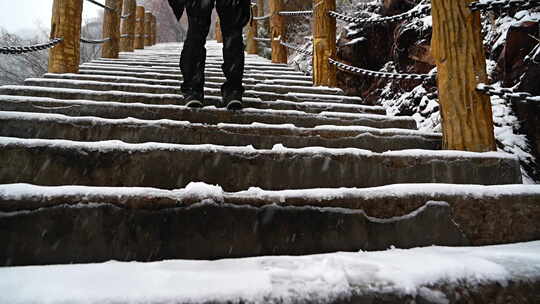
(233, 16)
(192, 60)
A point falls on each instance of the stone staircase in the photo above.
(117, 134)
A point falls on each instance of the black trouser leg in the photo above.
(192, 60)
(232, 22)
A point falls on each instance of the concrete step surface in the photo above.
(208, 73)
(169, 166)
(155, 224)
(216, 64)
(220, 79)
(261, 136)
(263, 92)
(63, 102)
(271, 86)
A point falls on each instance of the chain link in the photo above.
(93, 41)
(296, 13)
(415, 12)
(385, 75)
(260, 39)
(102, 5)
(262, 17)
(15, 50)
(505, 93)
(297, 48)
(503, 4)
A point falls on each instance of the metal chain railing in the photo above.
(503, 4)
(261, 39)
(297, 48)
(15, 50)
(296, 13)
(102, 5)
(506, 93)
(385, 75)
(262, 17)
(415, 12)
(94, 41)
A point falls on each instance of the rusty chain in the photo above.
(506, 93)
(503, 4)
(415, 12)
(15, 50)
(385, 75)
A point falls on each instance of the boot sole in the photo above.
(234, 105)
(194, 104)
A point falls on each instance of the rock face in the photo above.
(404, 47)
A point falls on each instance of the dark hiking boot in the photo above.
(193, 101)
(233, 101)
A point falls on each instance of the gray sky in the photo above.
(18, 15)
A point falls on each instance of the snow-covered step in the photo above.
(269, 86)
(115, 163)
(211, 68)
(208, 115)
(271, 93)
(257, 75)
(262, 136)
(221, 79)
(369, 120)
(209, 63)
(431, 275)
(156, 224)
(214, 59)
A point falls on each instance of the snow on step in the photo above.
(79, 105)
(221, 79)
(208, 69)
(270, 93)
(256, 75)
(209, 63)
(259, 86)
(426, 275)
(55, 126)
(115, 163)
(500, 207)
(316, 229)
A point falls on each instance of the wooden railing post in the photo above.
(147, 29)
(218, 34)
(139, 28)
(467, 119)
(128, 26)
(277, 32)
(111, 29)
(66, 23)
(154, 30)
(324, 43)
(252, 47)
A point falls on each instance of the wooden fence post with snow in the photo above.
(111, 29)
(252, 47)
(277, 32)
(467, 119)
(218, 34)
(139, 28)
(66, 23)
(324, 43)
(147, 29)
(127, 26)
